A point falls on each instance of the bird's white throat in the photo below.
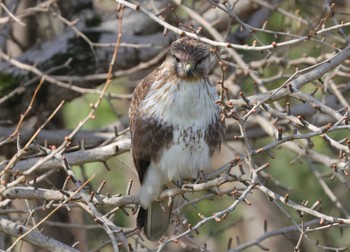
(182, 103)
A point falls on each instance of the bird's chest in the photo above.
(187, 155)
(189, 109)
(183, 105)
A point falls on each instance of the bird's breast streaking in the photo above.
(175, 127)
(190, 111)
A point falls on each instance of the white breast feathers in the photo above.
(190, 107)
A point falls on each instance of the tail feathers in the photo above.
(155, 220)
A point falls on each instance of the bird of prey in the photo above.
(175, 128)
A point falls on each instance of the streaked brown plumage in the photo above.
(175, 127)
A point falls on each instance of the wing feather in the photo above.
(148, 135)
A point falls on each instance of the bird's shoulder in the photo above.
(148, 134)
(140, 93)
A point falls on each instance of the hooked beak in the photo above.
(188, 68)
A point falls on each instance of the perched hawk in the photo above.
(175, 128)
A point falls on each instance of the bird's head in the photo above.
(190, 58)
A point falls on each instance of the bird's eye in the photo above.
(177, 59)
(200, 61)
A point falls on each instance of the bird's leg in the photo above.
(200, 177)
(178, 183)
